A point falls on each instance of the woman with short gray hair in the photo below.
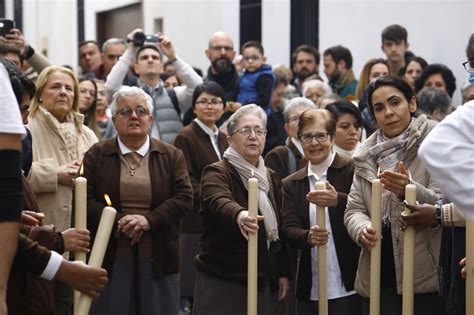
(221, 280)
(287, 159)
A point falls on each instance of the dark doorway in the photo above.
(119, 22)
(250, 21)
(304, 23)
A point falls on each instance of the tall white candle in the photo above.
(80, 219)
(98, 252)
(375, 252)
(252, 250)
(470, 267)
(409, 256)
(322, 258)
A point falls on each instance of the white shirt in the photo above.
(10, 117)
(213, 135)
(142, 150)
(336, 287)
(448, 153)
(298, 145)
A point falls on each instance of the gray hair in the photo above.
(113, 41)
(316, 84)
(430, 99)
(252, 109)
(296, 103)
(125, 90)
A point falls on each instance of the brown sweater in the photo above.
(171, 198)
(223, 252)
(198, 152)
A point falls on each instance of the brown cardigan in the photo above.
(198, 152)
(171, 198)
(277, 159)
(223, 252)
(295, 215)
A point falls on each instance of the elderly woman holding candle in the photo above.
(149, 186)
(221, 281)
(393, 148)
(202, 144)
(316, 131)
(59, 141)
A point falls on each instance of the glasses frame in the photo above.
(314, 137)
(211, 102)
(145, 113)
(247, 131)
(467, 66)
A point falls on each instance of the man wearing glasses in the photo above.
(221, 53)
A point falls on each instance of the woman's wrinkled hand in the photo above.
(323, 198)
(67, 173)
(248, 224)
(368, 237)
(133, 226)
(76, 240)
(318, 236)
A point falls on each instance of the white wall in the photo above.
(189, 24)
(276, 31)
(437, 30)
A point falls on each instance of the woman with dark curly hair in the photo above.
(438, 76)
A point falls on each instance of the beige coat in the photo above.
(49, 152)
(357, 215)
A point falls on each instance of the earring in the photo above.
(40, 100)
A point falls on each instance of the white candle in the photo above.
(252, 250)
(80, 219)
(470, 267)
(98, 252)
(375, 252)
(322, 258)
(409, 256)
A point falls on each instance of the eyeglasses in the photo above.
(468, 65)
(219, 48)
(251, 58)
(127, 112)
(259, 132)
(320, 137)
(215, 102)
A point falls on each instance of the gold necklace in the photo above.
(131, 170)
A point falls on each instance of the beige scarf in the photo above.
(244, 169)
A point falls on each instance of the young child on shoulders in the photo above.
(256, 84)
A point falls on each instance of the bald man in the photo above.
(221, 53)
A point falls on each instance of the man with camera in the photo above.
(146, 57)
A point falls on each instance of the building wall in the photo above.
(438, 29)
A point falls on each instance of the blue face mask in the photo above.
(471, 77)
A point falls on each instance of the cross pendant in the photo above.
(132, 173)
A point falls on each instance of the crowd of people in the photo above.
(174, 149)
